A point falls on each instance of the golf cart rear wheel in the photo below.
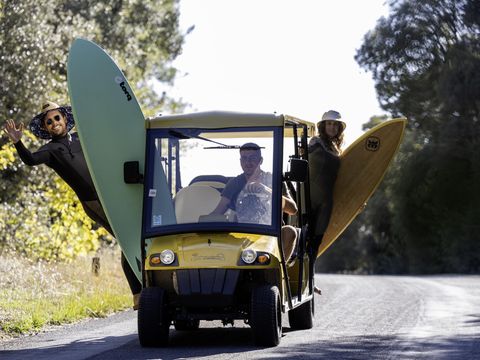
(301, 318)
(187, 325)
(153, 317)
(266, 315)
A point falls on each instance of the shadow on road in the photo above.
(205, 342)
(385, 347)
(74, 350)
(237, 343)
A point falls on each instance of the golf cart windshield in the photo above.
(207, 179)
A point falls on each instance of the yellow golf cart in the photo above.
(201, 265)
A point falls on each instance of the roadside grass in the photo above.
(34, 295)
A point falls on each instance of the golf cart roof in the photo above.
(224, 119)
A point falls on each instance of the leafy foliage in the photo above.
(39, 215)
(43, 219)
(142, 36)
(425, 60)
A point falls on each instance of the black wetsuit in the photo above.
(65, 156)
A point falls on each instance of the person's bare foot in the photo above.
(136, 300)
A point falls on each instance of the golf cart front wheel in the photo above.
(266, 315)
(153, 317)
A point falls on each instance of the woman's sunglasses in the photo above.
(50, 121)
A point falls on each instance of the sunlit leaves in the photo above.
(142, 36)
(7, 156)
(39, 215)
(45, 220)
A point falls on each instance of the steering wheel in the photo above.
(254, 207)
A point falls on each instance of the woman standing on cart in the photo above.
(324, 153)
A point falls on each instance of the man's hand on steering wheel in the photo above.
(257, 187)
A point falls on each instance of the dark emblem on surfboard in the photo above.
(120, 82)
(372, 143)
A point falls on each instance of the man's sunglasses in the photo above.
(50, 121)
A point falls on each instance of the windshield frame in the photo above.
(277, 175)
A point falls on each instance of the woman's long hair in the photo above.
(334, 144)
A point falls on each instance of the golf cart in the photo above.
(195, 263)
(198, 265)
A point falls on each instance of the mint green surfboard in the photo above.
(111, 128)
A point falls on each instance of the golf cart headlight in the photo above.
(249, 256)
(167, 257)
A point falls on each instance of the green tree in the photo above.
(39, 214)
(425, 60)
(142, 36)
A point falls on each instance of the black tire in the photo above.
(266, 315)
(187, 325)
(301, 318)
(153, 318)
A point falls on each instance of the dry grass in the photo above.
(36, 294)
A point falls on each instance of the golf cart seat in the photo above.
(216, 181)
(195, 200)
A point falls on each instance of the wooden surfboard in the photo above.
(111, 128)
(362, 168)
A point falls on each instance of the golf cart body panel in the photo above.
(211, 250)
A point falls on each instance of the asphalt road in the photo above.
(357, 317)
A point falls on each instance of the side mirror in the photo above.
(298, 170)
(131, 173)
